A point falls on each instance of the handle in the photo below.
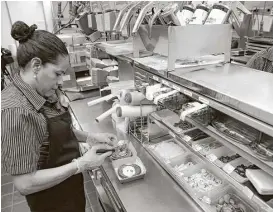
(101, 151)
(97, 173)
(99, 100)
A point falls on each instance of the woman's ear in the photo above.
(36, 64)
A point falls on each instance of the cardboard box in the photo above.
(98, 75)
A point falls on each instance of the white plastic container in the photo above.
(127, 161)
(161, 152)
(232, 165)
(196, 145)
(183, 159)
(210, 194)
(262, 181)
(223, 151)
(239, 198)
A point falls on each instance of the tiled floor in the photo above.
(12, 201)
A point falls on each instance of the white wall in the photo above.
(31, 12)
(6, 38)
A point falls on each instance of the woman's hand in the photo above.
(91, 159)
(104, 138)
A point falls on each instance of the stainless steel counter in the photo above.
(157, 192)
(244, 89)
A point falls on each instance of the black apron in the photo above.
(61, 149)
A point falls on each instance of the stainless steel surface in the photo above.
(125, 70)
(157, 192)
(244, 89)
(120, 15)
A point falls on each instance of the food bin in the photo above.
(216, 154)
(160, 148)
(204, 146)
(233, 194)
(231, 166)
(183, 159)
(194, 135)
(203, 194)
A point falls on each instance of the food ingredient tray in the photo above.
(128, 161)
(205, 146)
(181, 163)
(167, 150)
(133, 160)
(221, 156)
(235, 169)
(228, 199)
(203, 181)
(194, 135)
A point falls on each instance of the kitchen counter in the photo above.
(157, 192)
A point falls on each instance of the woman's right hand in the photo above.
(91, 159)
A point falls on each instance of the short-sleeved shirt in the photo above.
(262, 61)
(24, 126)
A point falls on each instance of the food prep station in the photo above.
(210, 132)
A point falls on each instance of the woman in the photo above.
(39, 148)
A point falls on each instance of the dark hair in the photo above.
(36, 43)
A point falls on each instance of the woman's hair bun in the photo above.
(21, 32)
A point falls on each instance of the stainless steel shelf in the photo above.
(243, 189)
(241, 88)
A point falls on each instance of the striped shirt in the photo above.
(262, 60)
(24, 127)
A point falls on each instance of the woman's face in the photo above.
(50, 76)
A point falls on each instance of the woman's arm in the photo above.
(43, 179)
(80, 135)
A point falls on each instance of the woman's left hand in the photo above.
(107, 138)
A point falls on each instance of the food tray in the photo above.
(183, 159)
(205, 146)
(235, 130)
(261, 152)
(158, 148)
(194, 135)
(231, 166)
(203, 116)
(198, 193)
(174, 102)
(128, 161)
(216, 154)
(248, 205)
